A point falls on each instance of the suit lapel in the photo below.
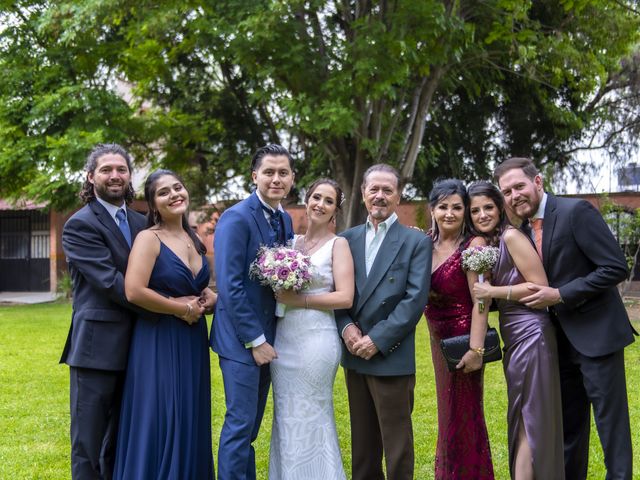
(109, 223)
(384, 259)
(548, 226)
(258, 216)
(288, 227)
(135, 226)
(357, 245)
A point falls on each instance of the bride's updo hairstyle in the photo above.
(330, 182)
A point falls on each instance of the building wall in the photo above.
(414, 213)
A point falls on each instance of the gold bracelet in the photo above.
(479, 350)
(509, 293)
(188, 312)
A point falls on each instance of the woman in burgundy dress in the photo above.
(463, 445)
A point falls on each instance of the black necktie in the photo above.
(276, 234)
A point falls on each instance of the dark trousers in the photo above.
(95, 397)
(380, 411)
(246, 388)
(597, 381)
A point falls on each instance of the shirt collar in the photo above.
(266, 205)
(387, 223)
(541, 207)
(110, 207)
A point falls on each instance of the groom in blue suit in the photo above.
(244, 327)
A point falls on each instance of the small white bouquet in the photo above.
(480, 260)
(281, 268)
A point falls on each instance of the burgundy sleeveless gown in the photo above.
(463, 449)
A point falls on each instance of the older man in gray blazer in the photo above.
(392, 275)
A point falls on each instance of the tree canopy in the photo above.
(436, 88)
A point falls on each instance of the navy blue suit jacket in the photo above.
(102, 319)
(245, 309)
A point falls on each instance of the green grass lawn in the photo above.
(34, 413)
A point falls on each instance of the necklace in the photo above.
(181, 238)
(306, 248)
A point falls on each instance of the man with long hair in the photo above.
(97, 240)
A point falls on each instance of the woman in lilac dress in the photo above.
(530, 351)
(463, 449)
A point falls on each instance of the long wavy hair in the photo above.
(442, 189)
(153, 216)
(87, 192)
(486, 189)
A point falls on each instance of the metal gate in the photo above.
(24, 251)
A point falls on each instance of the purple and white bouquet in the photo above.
(480, 260)
(281, 268)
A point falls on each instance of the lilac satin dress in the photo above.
(463, 449)
(533, 379)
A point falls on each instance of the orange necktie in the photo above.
(536, 224)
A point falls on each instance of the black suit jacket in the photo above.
(102, 319)
(583, 260)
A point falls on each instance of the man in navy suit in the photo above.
(392, 279)
(584, 264)
(244, 327)
(96, 241)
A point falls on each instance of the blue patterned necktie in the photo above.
(276, 235)
(123, 225)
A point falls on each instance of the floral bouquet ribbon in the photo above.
(281, 268)
(480, 260)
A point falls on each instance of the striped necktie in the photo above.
(536, 225)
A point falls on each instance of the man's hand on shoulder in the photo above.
(263, 353)
(541, 297)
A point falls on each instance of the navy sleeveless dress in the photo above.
(165, 422)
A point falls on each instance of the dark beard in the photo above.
(103, 192)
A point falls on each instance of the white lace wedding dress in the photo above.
(304, 442)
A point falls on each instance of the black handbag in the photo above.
(454, 348)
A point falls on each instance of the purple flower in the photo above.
(283, 273)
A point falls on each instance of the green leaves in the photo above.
(436, 88)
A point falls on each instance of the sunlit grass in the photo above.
(34, 399)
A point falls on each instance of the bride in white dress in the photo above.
(304, 442)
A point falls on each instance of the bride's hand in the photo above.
(289, 297)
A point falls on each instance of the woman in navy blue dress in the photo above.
(165, 424)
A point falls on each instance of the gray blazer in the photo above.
(389, 302)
